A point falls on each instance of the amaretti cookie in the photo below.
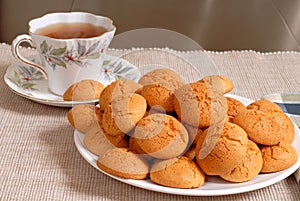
(285, 123)
(124, 163)
(200, 105)
(177, 173)
(123, 113)
(249, 168)
(83, 117)
(223, 83)
(115, 89)
(83, 90)
(229, 147)
(260, 126)
(156, 75)
(264, 106)
(234, 106)
(97, 142)
(278, 157)
(286, 126)
(161, 136)
(158, 89)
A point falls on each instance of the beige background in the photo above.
(263, 25)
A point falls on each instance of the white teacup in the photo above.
(66, 61)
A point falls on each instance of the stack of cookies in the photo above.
(176, 133)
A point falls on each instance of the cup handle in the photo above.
(24, 38)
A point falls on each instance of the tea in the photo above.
(71, 30)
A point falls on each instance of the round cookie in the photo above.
(115, 89)
(123, 113)
(159, 89)
(97, 142)
(158, 75)
(84, 90)
(229, 150)
(264, 106)
(161, 136)
(200, 105)
(260, 126)
(286, 126)
(249, 168)
(124, 163)
(278, 157)
(84, 117)
(234, 106)
(170, 173)
(221, 82)
(159, 97)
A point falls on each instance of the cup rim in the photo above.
(110, 22)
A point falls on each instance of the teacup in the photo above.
(67, 58)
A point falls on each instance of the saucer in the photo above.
(29, 83)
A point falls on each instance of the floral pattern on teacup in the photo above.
(25, 77)
(61, 56)
(115, 70)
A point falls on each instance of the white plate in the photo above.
(30, 83)
(213, 185)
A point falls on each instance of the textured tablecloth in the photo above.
(38, 158)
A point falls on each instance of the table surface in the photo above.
(38, 157)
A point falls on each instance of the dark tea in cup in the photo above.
(71, 30)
